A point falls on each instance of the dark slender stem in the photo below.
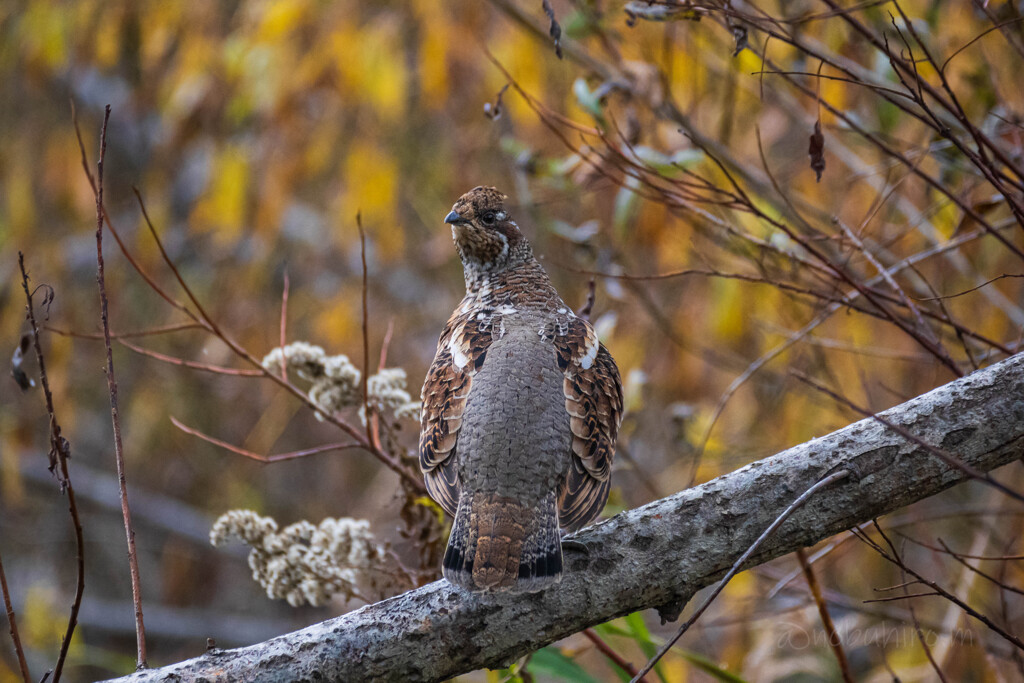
(959, 558)
(284, 324)
(133, 561)
(826, 619)
(60, 451)
(936, 589)
(366, 334)
(275, 457)
(605, 649)
(13, 626)
(738, 565)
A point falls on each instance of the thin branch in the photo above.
(980, 573)
(895, 559)
(851, 81)
(605, 649)
(738, 565)
(972, 289)
(291, 455)
(783, 582)
(154, 331)
(60, 451)
(366, 334)
(968, 556)
(908, 596)
(975, 39)
(22, 664)
(192, 365)
(834, 641)
(385, 345)
(126, 514)
(919, 633)
(284, 324)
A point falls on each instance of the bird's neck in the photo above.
(525, 282)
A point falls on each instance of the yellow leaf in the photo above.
(222, 210)
(107, 39)
(368, 68)
(44, 621)
(434, 507)
(727, 309)
(21, 211)
(370, 178)
(280, 18)
(337, 320)
(43, 29)
(433, 58)
(518, 52)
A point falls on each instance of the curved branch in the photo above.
(658, 555)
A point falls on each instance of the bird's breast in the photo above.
(515, 432)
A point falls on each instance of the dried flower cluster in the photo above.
(303, 563)
(336, 381)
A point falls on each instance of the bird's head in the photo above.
(485, 235)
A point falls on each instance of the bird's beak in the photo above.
(453, 218)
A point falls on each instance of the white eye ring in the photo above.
(501, 215)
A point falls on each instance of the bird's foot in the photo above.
(573, 544)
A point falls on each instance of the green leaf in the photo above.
(706, 665)
(587, 98)
(642, 636)
(552, 662)
(625, 205)
(637, 630)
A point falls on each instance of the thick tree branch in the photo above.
(658, 555)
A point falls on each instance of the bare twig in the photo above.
(834, 641)
(959, 558)
(368, 414)
(126, 514)
(60, 451)
(192, 365)
(22, 664)
(738, 565)
(972, 289)
(967, 556)
(284, 324)
(278, 457)
(936, 589)
(919, 633)
(385, 345)
(608, 652)
(151, 332)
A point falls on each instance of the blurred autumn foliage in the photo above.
(669, 138)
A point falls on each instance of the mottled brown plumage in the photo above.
(521, 408)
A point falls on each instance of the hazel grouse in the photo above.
(521, 408)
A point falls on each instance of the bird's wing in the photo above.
(460, 353)
(593, 399)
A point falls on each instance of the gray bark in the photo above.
(656, 556)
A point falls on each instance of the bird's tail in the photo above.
(498, 544)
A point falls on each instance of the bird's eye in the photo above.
(488, 217)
